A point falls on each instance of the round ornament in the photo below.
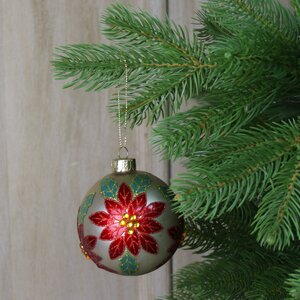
(125, 222)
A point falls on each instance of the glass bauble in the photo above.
(125, 222)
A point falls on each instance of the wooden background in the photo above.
(54, 145)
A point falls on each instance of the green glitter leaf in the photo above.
(129, 266)
(109, 188)
(85, 207)
(140, 184)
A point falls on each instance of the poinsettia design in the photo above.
(128, 222)
(87, 244)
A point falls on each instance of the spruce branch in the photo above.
(127, 26)
(293, 285)
(156, 78)
(268, 18)
(93, 67)
(167, 67)
(238, 168)
(245, 275)
(98, 61)
(225, 235)
(296, 6)
(184, 133)
(151, 100)
(277, 222)
(269, 283)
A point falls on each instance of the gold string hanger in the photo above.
(122, 130)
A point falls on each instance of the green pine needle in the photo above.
(277, 220)
(245, 275)
(293, 285)
(261, 159)
(184, 133)
(296, 5)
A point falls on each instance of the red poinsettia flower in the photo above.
(129, 222)
(87, 244)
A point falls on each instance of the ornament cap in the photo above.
(123, 165)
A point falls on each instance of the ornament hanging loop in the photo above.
(123, 129)
(123, 164)
(122, 149)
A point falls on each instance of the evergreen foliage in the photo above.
(240, 194)
(293, 283)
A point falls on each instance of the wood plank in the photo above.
(5, 250)
(59, 143)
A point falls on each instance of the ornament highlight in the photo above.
(125, 223)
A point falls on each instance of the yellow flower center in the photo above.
(84, 252)
(130, 222)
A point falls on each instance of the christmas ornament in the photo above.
(125, 223)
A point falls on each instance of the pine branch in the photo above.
(156, 78)
(127, 26)
(92, 67)
(293, 285)
(236, 57)
(277, 221)
(246, 41)
(239, 168)
(183, 134)
(265, 17)
(248, 275)
(225, 235)
(269, 284)
(281, 111)
(165, 67)
(296, 6)
(98, 61)
(209, 28)
(159, 97)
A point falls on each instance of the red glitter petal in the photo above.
(101, 218)
(149, 226)
(132, 242)
(138, 204)
(114, 208)
(148, 243)
(89, 242)
(116, 248)
(112, 232)
(125, 195)
(154, 210)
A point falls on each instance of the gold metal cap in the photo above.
(123, 165)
